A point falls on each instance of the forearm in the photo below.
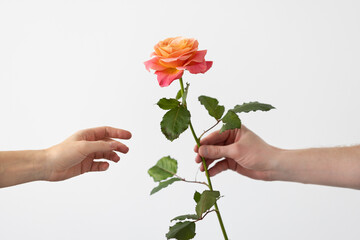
(21, 166)
(338, 166)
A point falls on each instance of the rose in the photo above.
(175, 55)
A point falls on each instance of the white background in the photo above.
(69, 65)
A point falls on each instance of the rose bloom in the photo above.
(175, 55)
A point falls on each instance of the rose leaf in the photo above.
(184, 217)
(207, 200)
(197, 196)
(182, 231)
(166, 167)
(212, 106)
(164, 184)
(168, 103)
(175, 122)
(231, 121)
(252, 106)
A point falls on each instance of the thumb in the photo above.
(214, 152)
(88, 147)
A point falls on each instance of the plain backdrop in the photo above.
(69, 65)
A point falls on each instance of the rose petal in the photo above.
(196, 68)
(187, 55)
(154, 64)
(182, 52)
(208, 65)
(160, 52)
(181, 68)
(169, 60)
(166, 77)
(183, 57)
(199, 56)
(202, 67)
(174, 64)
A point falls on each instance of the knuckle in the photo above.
(216, 151)
(107, 129)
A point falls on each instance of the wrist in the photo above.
(48, 164)
(40, 168)
(276, 158)
(291, 166)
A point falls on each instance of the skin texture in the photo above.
(243, 151)
(76, 155)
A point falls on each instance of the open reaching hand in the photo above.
(78, 154)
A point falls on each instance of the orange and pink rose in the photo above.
(175, 55)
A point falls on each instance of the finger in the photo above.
(112, 156)
(120, 147)
(99, 166)
(198, 159)
(215, 138)
(220, 167)
(99, 133)
(89, 147)
(215, 152)
(208, 163)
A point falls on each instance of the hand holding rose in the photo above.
(239, 150)
(244, 152)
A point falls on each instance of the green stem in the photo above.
(182, 91)
(197, 140)
(203, 159)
